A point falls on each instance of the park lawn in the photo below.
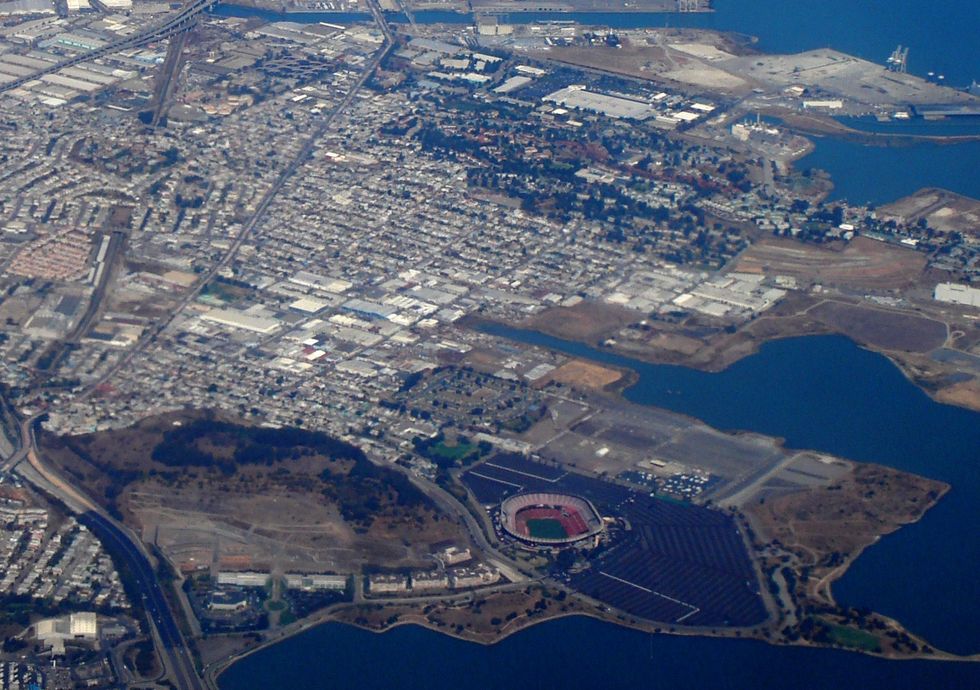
(849, 637)
(454, 452)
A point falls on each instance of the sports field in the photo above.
(546, 528)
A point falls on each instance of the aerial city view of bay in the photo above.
(489, 344)
(816, 392)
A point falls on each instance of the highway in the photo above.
(172, 646)
(166, 84)
(16, 431)
(174, 23)
(169, 642)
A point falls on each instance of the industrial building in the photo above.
(316, 583)
(577, 96)
(76, 626)
(240, 319)
(954, 293)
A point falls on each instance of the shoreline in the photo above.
(826, 126)
(715, 363)
(768, 631)
(215, 670)
(332, 615)
(474, 14)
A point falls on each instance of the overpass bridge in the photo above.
(173, 24)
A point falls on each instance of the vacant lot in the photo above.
(882, 329)
(585, 322)
(213, 493)
(943, 210)
(863, 263)
(849, 514)
(584, 374)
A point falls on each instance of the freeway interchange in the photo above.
(126, 548)
(174, 24)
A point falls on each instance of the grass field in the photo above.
(546, 528)
(856, 639)
(455, 452)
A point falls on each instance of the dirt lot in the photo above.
(965, 394)
(296, 507)
(686, 57)
(260, 523)
(710, 347)
(584, 374)
(943, 210)
(887, 330)
(862, 264)
(824, 528)
(586, 321)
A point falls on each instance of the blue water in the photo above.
(818, 392)
(825, 393)
(963, 126)
(233, 10)
(941, 39)
(424, 17)
(878, 174)
(571, 653)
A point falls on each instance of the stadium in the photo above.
(549, 519)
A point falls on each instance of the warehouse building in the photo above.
(577, 96)
(954, 293)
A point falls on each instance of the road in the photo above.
(169, 642)
(165, 80)
(176, 657)
(259, 213)
(171, 646)
(21, 451)
(446, 502)
(116, 241)
(172, 24)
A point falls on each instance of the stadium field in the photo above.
(546, 528)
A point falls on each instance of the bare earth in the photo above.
(880, 328)
(585, 321)
(863, 263)
(583, 374)
(825, 528)
(945, 211)
(262, 516)
(849, 514)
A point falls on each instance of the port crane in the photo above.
(898, 60)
